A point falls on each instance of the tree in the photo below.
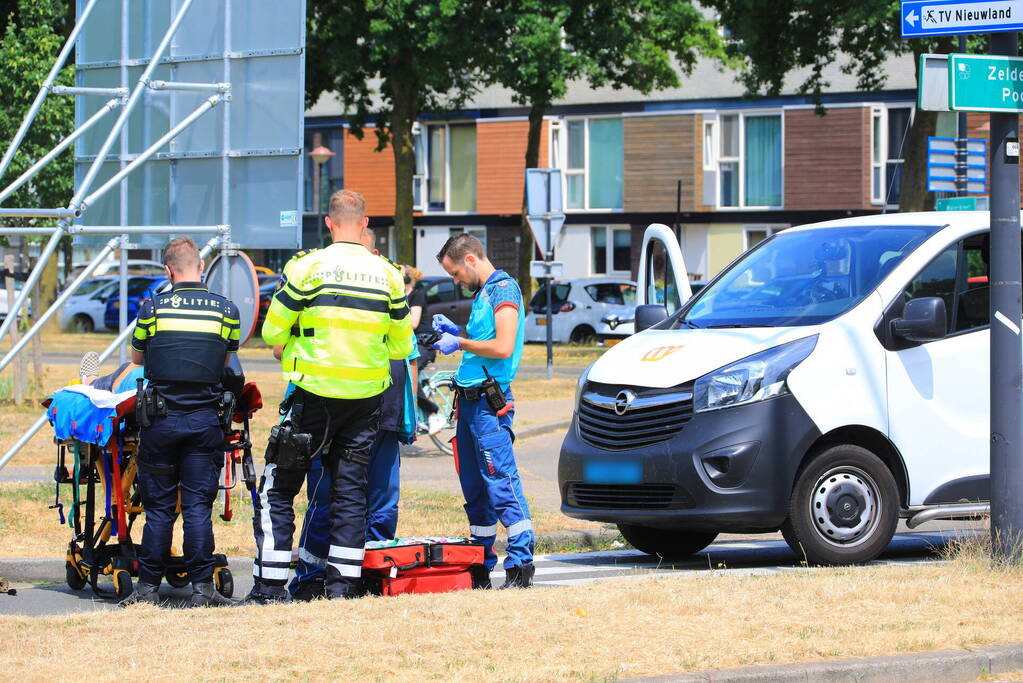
(643, 45)
(778, 37)
(390, 61)
(31, 40)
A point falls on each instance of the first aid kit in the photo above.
(436, 564)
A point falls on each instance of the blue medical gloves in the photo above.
(448, 343)
(441, 323)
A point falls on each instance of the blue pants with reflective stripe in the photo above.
(490, 481)
(382, 503)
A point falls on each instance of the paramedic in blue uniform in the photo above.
(183, 339)
(491, 348)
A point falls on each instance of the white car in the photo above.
(832, 381)
(83, 312)
(580, 307)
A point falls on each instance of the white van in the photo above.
(829, 382)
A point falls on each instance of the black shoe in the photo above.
(144, 592)
(310, 590)
(480, 577)
(206, 595)
(519, 577)
(346, 590)
(260, 596)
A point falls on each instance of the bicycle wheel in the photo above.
(442, 393)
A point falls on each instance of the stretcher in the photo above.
(97, 460)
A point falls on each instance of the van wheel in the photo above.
(583, 334)
(667, 543)
(844, 508)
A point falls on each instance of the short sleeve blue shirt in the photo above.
(498, 291)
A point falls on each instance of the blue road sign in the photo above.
(922, 18)
(941, 165)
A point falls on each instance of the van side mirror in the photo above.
(922, 320)
(649, 315)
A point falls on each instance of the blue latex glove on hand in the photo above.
(447, 344)
(441, 323)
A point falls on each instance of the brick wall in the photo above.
(660, 151)
(370, 172)
(501, 164)
(827, 159)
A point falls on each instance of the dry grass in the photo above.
(544, 390)
(600, 632)
(29, 529)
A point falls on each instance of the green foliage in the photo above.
(28, 47)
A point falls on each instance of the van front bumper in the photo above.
(724, 470)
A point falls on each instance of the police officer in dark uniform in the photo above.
(183, 338)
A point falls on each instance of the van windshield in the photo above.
(803, 278)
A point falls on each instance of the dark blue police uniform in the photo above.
(186, 335)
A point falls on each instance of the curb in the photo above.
(544, 428)
(51, 570)
(943, 665)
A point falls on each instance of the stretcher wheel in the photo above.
(177, 579)
(122, 583)
(223, 581)
(73, 578)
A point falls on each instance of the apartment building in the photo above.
(729, 171)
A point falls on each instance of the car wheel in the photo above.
(582, 334)
(667, 543)
(82, 323)
(844, 508)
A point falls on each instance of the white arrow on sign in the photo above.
(912, 17)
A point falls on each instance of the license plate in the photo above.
(613, 472)
(541, 321)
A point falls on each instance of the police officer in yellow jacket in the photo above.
(184, 339)
(340, 313)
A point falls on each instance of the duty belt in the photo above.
(469, 393)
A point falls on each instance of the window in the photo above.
(889, 131)
(974, 293)
(615, 293)
(559, 295)
(330, 173)
(443, 290)
(749, 160)
(660, 278)
(593, 163)
(708, 145)
(478, 232)
(754, 235)
(617, 259)
(938, 278)
(445, 178)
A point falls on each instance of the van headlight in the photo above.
(751, 379)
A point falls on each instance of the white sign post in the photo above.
(546, 218)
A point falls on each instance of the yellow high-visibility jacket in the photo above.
(341, 314)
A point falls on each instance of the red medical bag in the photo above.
(421, 565)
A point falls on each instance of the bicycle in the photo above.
(438, 387)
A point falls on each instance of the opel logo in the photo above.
(623, 400)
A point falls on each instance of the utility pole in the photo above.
(961, 179)
(1005, 311)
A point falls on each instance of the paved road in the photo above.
(760, 557)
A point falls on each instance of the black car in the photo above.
(443, 297)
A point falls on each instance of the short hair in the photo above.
(458, 246)
(347, 206)
(181, 254)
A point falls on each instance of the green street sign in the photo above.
(985, 83)
(962, 204)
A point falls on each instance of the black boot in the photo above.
(519, 577)
(265, 595)
(206, 595)
(347, 589)
(480, 577)
(310, 590)
(144, 592)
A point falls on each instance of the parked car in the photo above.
(112, 267)
(18, 284)
(580, 307)
(832, 381)
(86, 309)
(442, 296)
(625, 319)
(267, 287)
(137, 286)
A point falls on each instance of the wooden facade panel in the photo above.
(501, 164)
(660, 151)
(370, 172)
(827, 159)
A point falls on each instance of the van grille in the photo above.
(627, 496)
(655, 415)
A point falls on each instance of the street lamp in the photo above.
(320, 155)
